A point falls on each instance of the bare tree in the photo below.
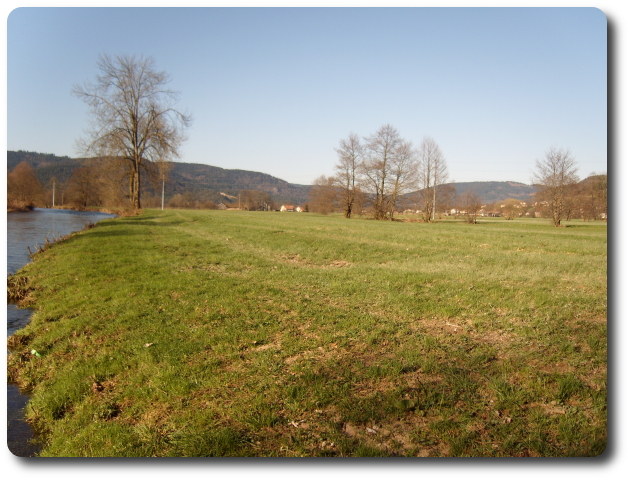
(82, 189)
(380, 149)
(322, 196)
(132, 116)
(432, 173)
(470, 203)
(24, 190)
(108, 176)
(350, 154)
(555, 174)
(254, 200)
(446, 197)
(403, 175)
(388, 170)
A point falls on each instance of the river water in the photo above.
(29, 230)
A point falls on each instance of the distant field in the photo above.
(215, 333)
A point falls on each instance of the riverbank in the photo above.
(199, 333)
(19, 207)
(120, 212)
(28, 232)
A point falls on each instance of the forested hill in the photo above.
(208, 182)
(46, 165)
(201, 178)
(491, 192)
(203, 181)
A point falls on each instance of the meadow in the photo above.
(231, 333)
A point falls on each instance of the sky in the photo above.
(275, 90)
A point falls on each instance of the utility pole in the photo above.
(53, 194)
(162, 192)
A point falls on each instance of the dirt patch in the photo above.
(440, 325)
(298, 260)
(338, 264)
(558, 367)
(494, 338)
(398, 437)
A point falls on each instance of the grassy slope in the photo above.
(195, 333)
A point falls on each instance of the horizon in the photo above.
(275, 90)
(280, 178)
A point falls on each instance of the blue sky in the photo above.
(275, 90)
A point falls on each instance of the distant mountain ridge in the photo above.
(221, 184)
(198, 177)
(492, 192)
(206, 181)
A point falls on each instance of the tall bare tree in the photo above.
(432, 172)
(388, 170)
(132, 116)
(403, 175)
(350, 154)
(555, 174)
(376, 168)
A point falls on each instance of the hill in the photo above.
(205, 181)
(492, 192)
(201, 178)
(209, 182)
(46, 165)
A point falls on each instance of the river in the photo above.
(29, 230)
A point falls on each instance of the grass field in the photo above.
(214, 333)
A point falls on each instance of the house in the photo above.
(300, 209)
(287, 208)
(222, 206)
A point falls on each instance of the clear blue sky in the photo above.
(274, 90)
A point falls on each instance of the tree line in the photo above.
(383, 174)
(99, 182)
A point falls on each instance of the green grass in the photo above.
(210, 333)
